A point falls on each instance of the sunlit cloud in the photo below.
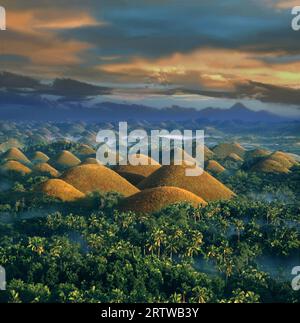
(209, 68)
(33, 34)
(286, 4)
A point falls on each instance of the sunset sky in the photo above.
(232, 47)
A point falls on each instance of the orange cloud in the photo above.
(37, 21)
(37, 38)
(283, 4)
(211, 68)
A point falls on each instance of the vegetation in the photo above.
(91, 236)
(180, 254)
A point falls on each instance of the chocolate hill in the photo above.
(17, 155)
(223, 150)
(40, 157)
(155, 199)
(13, 166)
(204, 186)
(60, 190)
(214, 167)
(90, 178)
(64, 160)
(136, 173)
(46, 169)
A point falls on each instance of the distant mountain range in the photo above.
(41, 109)
(27, 99)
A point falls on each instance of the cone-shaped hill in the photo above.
(17, 155)
(155, 199)
(44, 168)
(10, 143)
(60, 190)
(234, 158)
(89, 178)
(225, 149)
(214, 167)
(14, 167)
(39, 157)
(182, 156)
(136, 173)
(85, 150)
(205, 185)
(208, 154)
(257, 153)
(90, 160)
(278, 162)
(284, 159)
(269, 166)
(64, 160)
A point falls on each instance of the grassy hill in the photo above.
(89, 178)
(205, 185)
(61, 190)
(154, 199)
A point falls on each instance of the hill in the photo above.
(155, 199)
(89, 178)
(284, 159)
(269, 166)
(15, 154)
(60, 190)
(85, 151)
(44, 168)
(90, 160)
(39, 157)
(208, 154)
(10, 143)
(64, 160)
(15, 167)
(205, 185)
(234, 157)
(223, 150)
(136, 173)
(257, 153)
(214, 167)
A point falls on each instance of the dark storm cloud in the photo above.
(253, 90)
(13, 85)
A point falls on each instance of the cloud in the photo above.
(209, 68)
(34, 34)
(208, 45)
(15, 85)
(284, 4)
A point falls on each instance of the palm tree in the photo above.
(157, 238)
(201, 294)
(239, 226)
(176, 298)
(37, 245)
(195, 243)
(171, 246)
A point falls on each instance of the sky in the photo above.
(233, 49)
